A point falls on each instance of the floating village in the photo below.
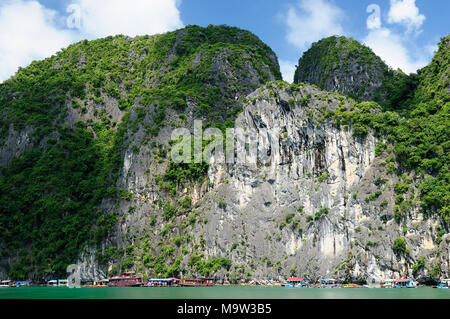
(130, 279)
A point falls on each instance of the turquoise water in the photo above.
(221, 292)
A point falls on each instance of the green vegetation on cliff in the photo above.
(342, 65)
(415, 119)
(81, 109)
(85, 108)
(48, 202)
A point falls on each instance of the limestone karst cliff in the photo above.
(344, 189)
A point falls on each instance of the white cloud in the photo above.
(407, 13)
(287, 70)
(101, 18)
(27, 33)
(312, 20)
(395, 50)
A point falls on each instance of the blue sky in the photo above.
(403, 32)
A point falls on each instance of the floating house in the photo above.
(128, 279)
(296, 283)
(163, 282)
(405, 283)
(197, 282)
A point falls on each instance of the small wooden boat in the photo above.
(388, 283)
(58, 283)
(296, 283)
(162, 282)
(444, 284)
(329, 283)
(21, 284)
(63, 283)
(87, 283)
(352, 286)
(101, 283)
(197, 282)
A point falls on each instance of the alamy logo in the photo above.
(74, 279)
(74, 20)
(234, 146)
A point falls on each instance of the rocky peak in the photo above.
(342, 65)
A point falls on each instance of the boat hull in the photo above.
(197, 285)
(140, 284)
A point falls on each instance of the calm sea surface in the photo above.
(221, 292)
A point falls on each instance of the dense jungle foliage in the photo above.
(51, 194)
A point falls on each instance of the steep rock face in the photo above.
(305, 208)
(322, 205)
(343, 65)
(14, 145)
(328, 174)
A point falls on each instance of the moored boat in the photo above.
(329, 283)
(128, 279)
(162, 282)
(352, 286)
(404, 283)
(21, 284)
(296, 283)
(444, 284)
(63, 283)
(197, 282)
(87, 283)
(388, 283)
(101, 283)
(5, 283)
(57, 283)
